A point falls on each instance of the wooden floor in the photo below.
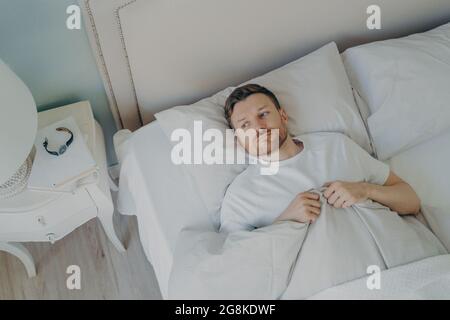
(105, 273)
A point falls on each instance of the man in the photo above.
(333, 160)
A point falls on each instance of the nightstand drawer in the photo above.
(44, 220)
(53, 232)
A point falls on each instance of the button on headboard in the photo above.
(155, 54)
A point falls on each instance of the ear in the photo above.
(283, 114)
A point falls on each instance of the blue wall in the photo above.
(55, 63)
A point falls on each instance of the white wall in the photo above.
(55, 63)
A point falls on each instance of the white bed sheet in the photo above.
(163, 197)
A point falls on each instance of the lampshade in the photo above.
(18, 122)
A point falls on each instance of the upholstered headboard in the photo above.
(155, 54)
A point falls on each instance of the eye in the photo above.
(244, 125)
(263, 114)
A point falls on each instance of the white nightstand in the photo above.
(49, 216)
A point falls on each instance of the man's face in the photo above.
(251, 115)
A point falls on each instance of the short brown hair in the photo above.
(241, 93)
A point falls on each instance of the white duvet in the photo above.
(327, 259)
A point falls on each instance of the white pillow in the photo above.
(406, 85)
(211, 180)
(316, 94)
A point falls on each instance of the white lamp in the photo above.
(18, 126)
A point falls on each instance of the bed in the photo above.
(143, 74)
(172, 196)
(162, 214)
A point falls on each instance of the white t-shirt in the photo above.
(254, 200)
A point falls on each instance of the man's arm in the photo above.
(395, 193)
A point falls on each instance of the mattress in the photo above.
(163, 197)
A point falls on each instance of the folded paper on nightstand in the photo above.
(57, 173)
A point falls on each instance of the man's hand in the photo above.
(342, 194)
(305, 207)
(395, 193)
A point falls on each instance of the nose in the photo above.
(261, 124)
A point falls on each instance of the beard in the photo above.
(282, 137)
(263, 144)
